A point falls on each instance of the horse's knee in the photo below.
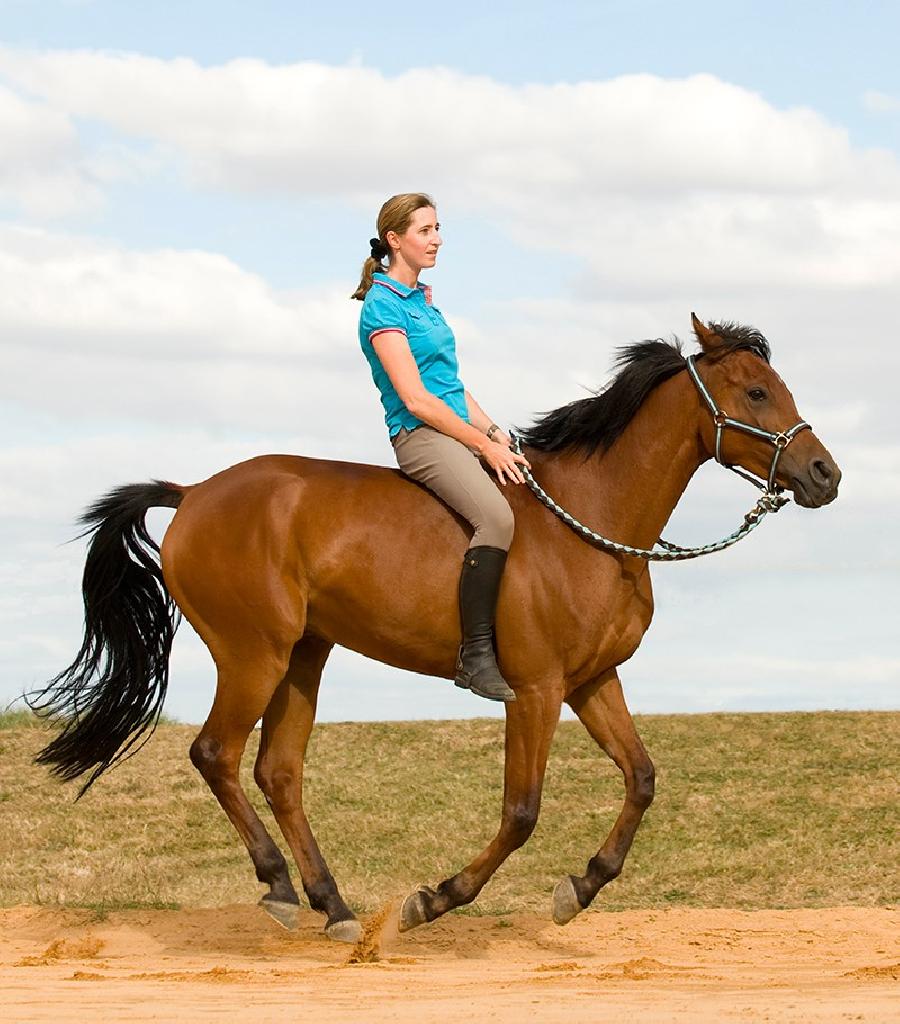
(520, 822)
(643, 784)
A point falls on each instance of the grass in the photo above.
(752, 810)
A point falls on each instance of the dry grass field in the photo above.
(752, 811)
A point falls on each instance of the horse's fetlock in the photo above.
(455, 892)
(603, 869)
(270, 865)
(321, 894)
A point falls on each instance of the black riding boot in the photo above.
(479, 584)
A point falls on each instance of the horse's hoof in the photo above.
(565, 902)
(286, 914)
(412, 913)
(349, 930)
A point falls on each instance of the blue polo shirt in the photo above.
(391, 306)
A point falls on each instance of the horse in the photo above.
(276, 560)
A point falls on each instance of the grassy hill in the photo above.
(752, 810)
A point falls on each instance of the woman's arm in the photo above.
(392, 348)
(480, 419)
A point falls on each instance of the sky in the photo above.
(186, 194)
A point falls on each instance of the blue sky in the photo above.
(185, 200)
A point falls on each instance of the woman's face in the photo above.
(418, 245)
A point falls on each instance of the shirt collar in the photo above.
(401, 289)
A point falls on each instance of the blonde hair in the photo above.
(395, 215)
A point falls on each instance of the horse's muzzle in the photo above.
(817, 483)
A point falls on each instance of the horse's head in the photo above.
(735, 370)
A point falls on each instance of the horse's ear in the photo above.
(708, 339)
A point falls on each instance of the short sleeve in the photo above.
(381, 312)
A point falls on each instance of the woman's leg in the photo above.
(456, 476)
(452, 472)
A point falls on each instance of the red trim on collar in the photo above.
(391, 288)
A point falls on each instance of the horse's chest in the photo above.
(612, 629)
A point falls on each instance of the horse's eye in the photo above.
(756, 394)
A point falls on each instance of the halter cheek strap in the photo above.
(780, 441)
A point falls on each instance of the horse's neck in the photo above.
(629, 492)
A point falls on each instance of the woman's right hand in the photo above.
(505, 462)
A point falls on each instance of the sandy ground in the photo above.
(234, 963)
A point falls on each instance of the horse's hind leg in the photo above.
(600, 705)
(287, 724)
(530, 724)
(247, 678)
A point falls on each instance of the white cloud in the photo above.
(177, 303)
(647, 179)
(170, 336)
(291, 124)
(39, 169)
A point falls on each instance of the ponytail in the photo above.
(370, 267)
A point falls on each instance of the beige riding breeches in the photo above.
(455, 474)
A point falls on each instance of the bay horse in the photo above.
(277, 559)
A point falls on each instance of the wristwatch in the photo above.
(491, 430)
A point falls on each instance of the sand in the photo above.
(235, 963)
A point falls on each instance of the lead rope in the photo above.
(768, 502)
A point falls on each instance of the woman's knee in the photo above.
(498, 526)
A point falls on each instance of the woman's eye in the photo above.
(756, 394)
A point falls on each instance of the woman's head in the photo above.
(408, 232)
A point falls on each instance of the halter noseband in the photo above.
(780, 441)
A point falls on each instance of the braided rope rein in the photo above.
(768, 502)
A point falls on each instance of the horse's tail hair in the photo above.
(113, 691)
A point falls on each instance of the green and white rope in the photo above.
(665, 552)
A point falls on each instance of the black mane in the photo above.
(596, 422)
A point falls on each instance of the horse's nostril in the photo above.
(820, 471)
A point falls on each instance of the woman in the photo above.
(438, 431)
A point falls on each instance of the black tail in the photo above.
(113, 691)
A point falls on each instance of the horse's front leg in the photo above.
(530, 723)
(601, 707)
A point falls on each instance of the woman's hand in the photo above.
(505, 462)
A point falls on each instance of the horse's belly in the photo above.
(393, 627)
